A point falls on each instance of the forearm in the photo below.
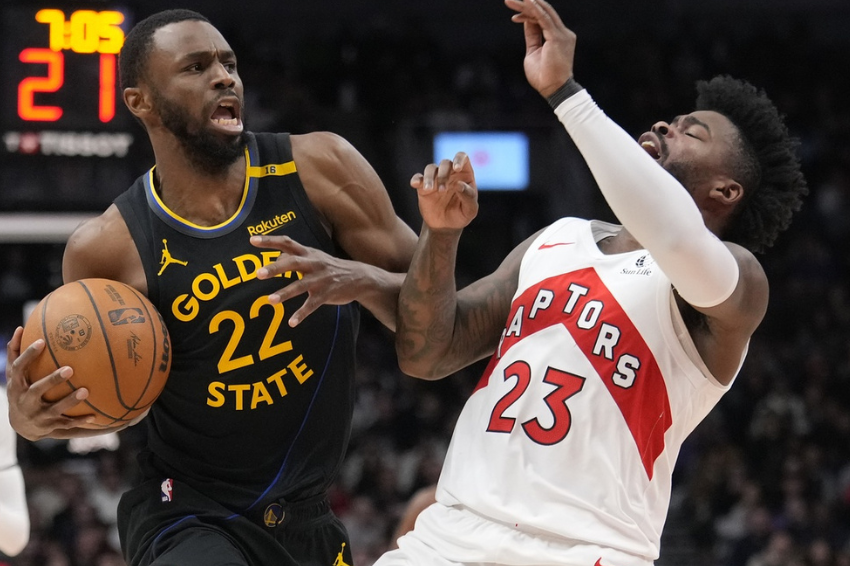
(380, 294)
(651, 204)
(14, 514)
(427, 307)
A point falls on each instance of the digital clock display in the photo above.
(59, 80)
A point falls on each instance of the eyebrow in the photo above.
(224, 54)
(692, 121)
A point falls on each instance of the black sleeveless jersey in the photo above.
(253, 410)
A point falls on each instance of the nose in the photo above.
(221, 78)
(661, 128)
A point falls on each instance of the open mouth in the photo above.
(226, 115)
(650, 145)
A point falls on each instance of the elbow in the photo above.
(419, 369)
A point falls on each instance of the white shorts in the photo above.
(453, 536)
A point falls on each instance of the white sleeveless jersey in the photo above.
(575, 426)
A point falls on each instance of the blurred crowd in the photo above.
(764, 481)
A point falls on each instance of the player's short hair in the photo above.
(767, 166)
(137, 45)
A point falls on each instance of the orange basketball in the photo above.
(115, 341)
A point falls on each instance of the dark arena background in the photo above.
(763, 481)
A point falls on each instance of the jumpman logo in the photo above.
(167, 258)
(339, 561)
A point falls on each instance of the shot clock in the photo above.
(59, 80)
(67, 143)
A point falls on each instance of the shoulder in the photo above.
(109, 224)
(103, 247)
(336, 176)
(320, 145)
(327, 156)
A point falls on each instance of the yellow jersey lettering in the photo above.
(222, 276)
(263, 393)
(184, 308)
(276, 379)
(207, 286)
(239, 391)
(242, 262)
(212, 280)
(299, 369)
(216, 398)
(260, 395)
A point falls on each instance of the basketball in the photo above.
(114, 339)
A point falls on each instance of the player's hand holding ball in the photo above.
(94, 354)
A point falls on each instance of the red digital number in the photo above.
(85, 32)
(106, 100)
(28, 87)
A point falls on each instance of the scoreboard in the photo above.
(59, 80)
(67, 143)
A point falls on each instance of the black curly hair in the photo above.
(137, 44)
(768, 167)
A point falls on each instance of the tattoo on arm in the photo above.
(445, 329)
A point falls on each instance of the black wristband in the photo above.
(568, 89)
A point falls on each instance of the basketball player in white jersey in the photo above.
(608, 343)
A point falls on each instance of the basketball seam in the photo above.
(155, 346)
(109, 351)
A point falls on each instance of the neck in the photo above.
(206, 198)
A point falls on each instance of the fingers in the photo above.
(16, 370)
(308, 308)
(293, 258)
(549, 18)
(460, 161)
(427, 178)
(59, 408)
(13, 350)
(443, 171)
(438, 177)
(538, 15)
(282, 243)
(46, 383)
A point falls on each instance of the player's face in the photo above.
(196, 91)
(694, 148)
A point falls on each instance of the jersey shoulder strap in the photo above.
(134, 209)
(275, 150)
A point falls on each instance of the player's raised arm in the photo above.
(441, 330)
(679, 210)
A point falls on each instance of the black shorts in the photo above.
(189, 529)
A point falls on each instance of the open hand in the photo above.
(448, 197)
(326, 279)
(549, 45)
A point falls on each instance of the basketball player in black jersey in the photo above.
(254, 248)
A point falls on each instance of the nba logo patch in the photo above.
(167, 489)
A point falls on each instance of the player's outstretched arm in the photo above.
(358, 213)
(722, 280)
(441, 330)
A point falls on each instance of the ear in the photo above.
(727, 191)
(137, 102)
